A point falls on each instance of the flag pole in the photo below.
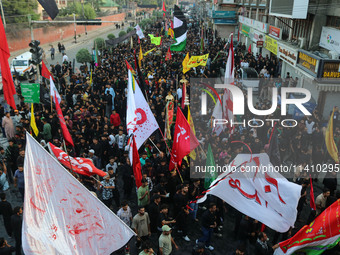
(170, 153)
(154, 145)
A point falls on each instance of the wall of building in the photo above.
(332, 99)
(224, 30)
(19, 39)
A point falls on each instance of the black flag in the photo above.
(140, 76)
(50, 7)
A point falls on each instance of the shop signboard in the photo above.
(287, 54)
(330, 39)
(308, 62)
(271, 44)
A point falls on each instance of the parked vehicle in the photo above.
(21, 66)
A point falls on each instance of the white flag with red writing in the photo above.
(140, 120)
(61, 216)
(82, 166)
(252, 187)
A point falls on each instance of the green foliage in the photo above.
(144, 23)
(83, 56)
(100, 42)
(111, 36)
(129, 29)
(122, 33)
(89, 12)
(20, 7)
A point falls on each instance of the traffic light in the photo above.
(36, 52)
(83, 22)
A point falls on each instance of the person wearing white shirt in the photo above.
(179, 93)
(65, 58)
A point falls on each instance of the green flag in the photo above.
(210, 174)
(155, 40)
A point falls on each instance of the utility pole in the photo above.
(75, 28)
(3, 14)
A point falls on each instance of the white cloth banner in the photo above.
(140, 119)
(139, 32)
(53, 91)
(259, 192)
(217, 115)
(61, 216)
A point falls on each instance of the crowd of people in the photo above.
(94, 106)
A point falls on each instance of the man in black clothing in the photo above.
(153, 211)
(262, 247)
(208, 225)
(6, 211)
(16, 222)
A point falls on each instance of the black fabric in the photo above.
(179, 31)
(50, 7)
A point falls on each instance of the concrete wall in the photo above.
(19, 39)
(225, 30)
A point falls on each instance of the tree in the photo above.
(100, 42)
(77, 8)
(83, 56)
(122, 33)
(89, 12)
(111, 36)
(129, 29)
(16, 11)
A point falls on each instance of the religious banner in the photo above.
(251, 186)
(61, 216)
(195, 61)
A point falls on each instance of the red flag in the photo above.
(163, 9)
(321, 234)
(311, 194)
(7, 81)
(136, 165)
(66, 133)
(45, 72)
(184, 140)
(83, 166)
(168, 55)
(172, 24)
(249, 49)
(128, 66)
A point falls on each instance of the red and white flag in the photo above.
(136, 165)
(61, 216)
(83, 166)
(7, 80)
(66, 133)
(140, 119)
(229, 79)
(250, 185)
(54, 92)
(184, 140)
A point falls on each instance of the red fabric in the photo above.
(249, 49)
(168, 55)
(172, 24)
(184, 140)
(45, 72)
(7, 80)
(115, 119)
(136, 165)
(311, 194)
(164, 10)
(66, 133)
(83, 166)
